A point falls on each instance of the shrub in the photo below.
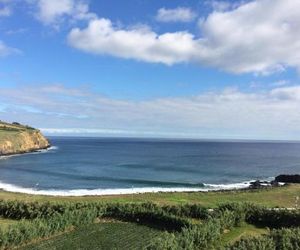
(259, 243)
(273, 218)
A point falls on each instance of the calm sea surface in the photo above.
(97, 163)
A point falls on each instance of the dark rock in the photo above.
(288, 178)
(259, 184)
(274, 183)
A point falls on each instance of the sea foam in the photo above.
(119, 191)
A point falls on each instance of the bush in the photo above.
(283, 239)
(273, 218)
(188, 210)
(286, 239)
(146, 213)
(232, 214)
(259, 243)
(200, 236)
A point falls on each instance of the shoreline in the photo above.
(267, 183)
(35, 151)
(25, 152)
(243, 186)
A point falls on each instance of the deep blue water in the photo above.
(97, 163)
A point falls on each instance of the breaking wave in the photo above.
(119, 191)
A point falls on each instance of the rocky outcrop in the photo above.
(263, 184)
(288, 178)
(24, 141)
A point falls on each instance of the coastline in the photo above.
(130, 191)
(25, 152)
(35, 151)
(100, 192)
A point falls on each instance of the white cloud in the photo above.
(229, 113)
(53, 12)
(261, 36)
(179, 14)
(6, 50)
(101, 37)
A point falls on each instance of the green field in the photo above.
(8, 130)
(104, 235)
(120, 235)
(273, 197)
(239, 232)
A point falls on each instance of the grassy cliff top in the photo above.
(10, 129)
(15, 126)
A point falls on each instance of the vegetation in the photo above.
(273, 197)
(283, 239)
(177, 220)
(102, 235)
(7, 128)
(245, 230)
(178, 227)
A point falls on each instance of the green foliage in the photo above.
(188, 210)
(25, 230)
(39, 220)
(286, 239)
(283, 239)
(273, 218)
(201, 236)
(147, 213)
(232, 214)
(259, 243)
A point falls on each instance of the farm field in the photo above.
(122, 235)
(103, 235)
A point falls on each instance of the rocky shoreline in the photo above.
(279, 180)
(26, 152)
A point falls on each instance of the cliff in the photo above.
(18, 139)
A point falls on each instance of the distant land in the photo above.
(16, 138)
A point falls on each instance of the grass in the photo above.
(9, 131)
(274, 197)
(4, 223)
(104, 235)
(245, 230)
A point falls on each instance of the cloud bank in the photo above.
(229, 113)
(261, 36)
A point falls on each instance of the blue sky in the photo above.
(197, 69)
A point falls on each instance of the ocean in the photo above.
(94, 166)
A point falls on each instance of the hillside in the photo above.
(16, 139)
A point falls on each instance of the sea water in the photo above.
(92, 166)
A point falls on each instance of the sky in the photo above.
(141, 68)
